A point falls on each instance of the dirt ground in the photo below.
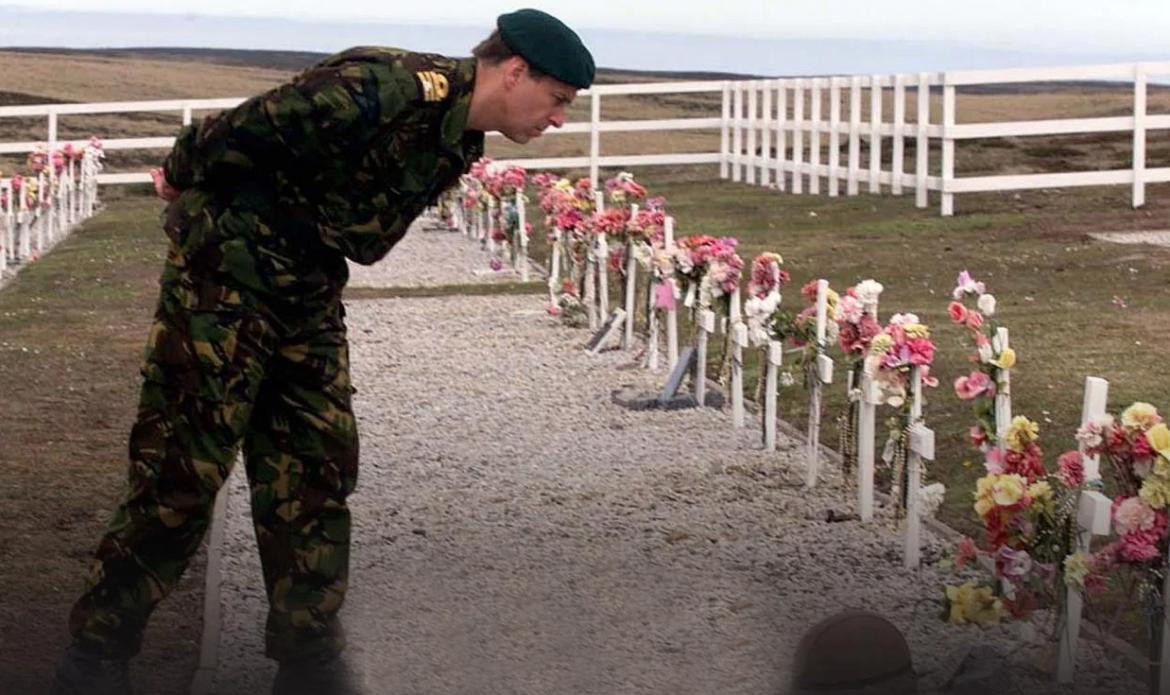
(72, 329)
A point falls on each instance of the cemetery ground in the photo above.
(73, 324)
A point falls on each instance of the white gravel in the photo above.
(433, 254)
(516, 532)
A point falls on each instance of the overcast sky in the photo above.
(1072, 25)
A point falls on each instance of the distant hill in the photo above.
(294, 61)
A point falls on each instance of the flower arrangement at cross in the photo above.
(857, 326)
(624, 190)
(765, 281)
(709, 268)
(1137, 447)
(568, 208)
(992, 360)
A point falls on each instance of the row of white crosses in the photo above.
(479, 227)
(28, 229)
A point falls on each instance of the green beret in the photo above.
(548, 45)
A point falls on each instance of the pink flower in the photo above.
(495, 264)
(553, 310)
(921, 351)
(994, 461)
(974, 320)
(1132, 515)
(1071, 468)
(968, 387)
(978, 435)
(958, 312)
(967, 552)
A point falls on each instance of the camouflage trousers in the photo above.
(219, 373)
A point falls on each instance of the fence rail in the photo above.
(766, 137)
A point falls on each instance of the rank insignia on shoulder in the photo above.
(434, 85)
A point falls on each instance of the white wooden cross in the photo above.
(1003, 392)
(706, 328)
(1093, 511)
(866, 414)
(6, 218)
(631, 291)
(602, 260)
(823, 374)
(522, 249)
(921, 447)
(866, 431)
(554, 264)
(739, 341)
(671, 313)
(775, 358)
(39, 213)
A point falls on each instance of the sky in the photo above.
(1080, 25)
(758, 37)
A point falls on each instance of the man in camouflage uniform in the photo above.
(267, 201)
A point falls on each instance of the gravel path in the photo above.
(431, 254)
(517, 532)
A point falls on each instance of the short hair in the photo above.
(494, 50)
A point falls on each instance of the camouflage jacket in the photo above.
(338, 161)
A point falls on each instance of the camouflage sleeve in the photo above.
(326, 114)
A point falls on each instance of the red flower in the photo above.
(1071, 468)
(958, 312)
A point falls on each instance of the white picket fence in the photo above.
(766, 137)
(33, 220)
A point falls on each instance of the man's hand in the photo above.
(163, 189)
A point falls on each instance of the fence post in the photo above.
(854, 135)
(899, 132)
(594, 135)
(798, 136)
(737, 131)
(814, 148)
(186, 115)
(781, 135)
(834, 136)
(948, 149)
(753, 106)
(922, 144)
(1139, 136)
(724, 132)
(766, 136)
(875, 133)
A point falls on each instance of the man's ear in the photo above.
(514, 69)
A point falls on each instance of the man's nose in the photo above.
(557, 119)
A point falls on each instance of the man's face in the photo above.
(534, 104)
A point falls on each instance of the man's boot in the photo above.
(325, 675)
(82, 672)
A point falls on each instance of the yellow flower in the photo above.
(916, 330)
(1006, 360)
(1140, 416)
(983, 503)
(1162, 466)
(1159, 438)
(563, 185)
(880, 344)
(972, 604)
(1155, 491)
(1008, 489)
(1076, 568)
(1021, 432)
(1040, 490)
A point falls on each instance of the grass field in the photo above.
(72, 326)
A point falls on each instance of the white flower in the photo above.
(985, 354)
(786, 379)
(868, 291)
(850, 309)
(986, 304)
(903, 319)
(930, 498)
